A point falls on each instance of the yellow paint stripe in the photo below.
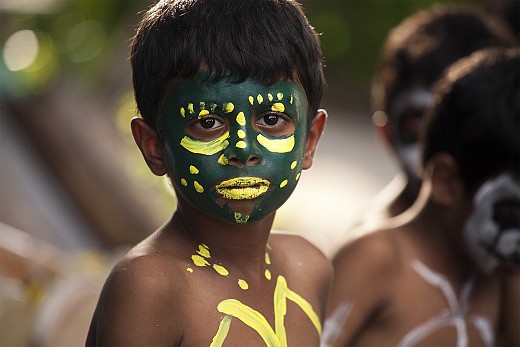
(206, 148)
(277, 145)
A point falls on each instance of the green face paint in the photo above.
(235, 150)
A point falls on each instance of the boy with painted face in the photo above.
(229, 93)
(413, 58)
(445, 272)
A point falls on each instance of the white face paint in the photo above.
(492, 232)
(406, 113)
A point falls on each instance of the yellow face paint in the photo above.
(183, 182)
(284, 183)
(190, 108)
(193, 170)
(292, 99)
(279, 96)
(242, 188)
(203, 113)
(223, 160)
(198, 187)
(298, 176)
(239, 218)
(189, 269)
(293, 164)
(241, 118)
(241, 134)
(241, 144)
(270, 97)
(267, 259)
(183, 112)
(206, 148)
(277, 145)
(220, 270)
(251, 100)
(243, 284)
(267, 274)
(260, 98)
(229, 107)
(278, 107)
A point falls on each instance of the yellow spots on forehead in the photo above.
(190, 108)
(202, 105)
(251, 100)
(260, 98)
(198, 187)
(193, 170)
(279, 96)
(184, 182)
(203, 113)
(270, 97)
(182, 111)
(223, 160)
(228, 107)
(284, 183)
(241, 144)
(293, 164)
(278, 107)
(241, 133)
(212, 107)
(241, 118)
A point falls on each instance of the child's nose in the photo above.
(236, 161)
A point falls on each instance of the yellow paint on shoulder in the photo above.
(251, 100)
(189, 269)
(190, 108)
(183, 112)
(241, 144)
(204, 251)
(293, 164)
(278, 107)
(260, 98)
(223, 160)
(277, 145)
(228, 107)
(241, 133)
(199, 261)
(267, 274)
(203, 113)
(220, 270)
(183, 182)
(243, 284)
(241, 118)
(267, 259)
(198, 187)
(193, 170)
(206, 148)
(279, 96)
(284, 183)
(298, 176)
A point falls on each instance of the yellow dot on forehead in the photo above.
(279, 96)
(202, 105)
(251, 100)
(241, 144)
(243, 284)
(241, 118)
(260, 98)
(229, 107)
(278, 107)
(241, 133)
(293, 164)
(212, 107)
(183, 182)
(193, 170)
(223, 160)
(284, 183)
(220, 270)
(270, 97)
(190, 107)
(183, 112)
(198, 187)
(203, 113)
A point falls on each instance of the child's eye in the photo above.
(209, 123)
(276, 124)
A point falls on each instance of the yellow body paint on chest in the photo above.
(276, 337)
(277, 145)
(206, 148)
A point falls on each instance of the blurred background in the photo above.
(74, 190)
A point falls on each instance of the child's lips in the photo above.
(242, 188)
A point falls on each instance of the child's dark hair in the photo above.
(476, 116)
(267, 40)
(417, 51)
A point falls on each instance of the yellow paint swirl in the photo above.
(206, 148)
(277, 145)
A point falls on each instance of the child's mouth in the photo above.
(242, 188)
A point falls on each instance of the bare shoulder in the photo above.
(137, 301)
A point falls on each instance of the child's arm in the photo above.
(358, 293)
(137, 307)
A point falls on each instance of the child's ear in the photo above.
(447, 185)
(315, 131)
(148, 142)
